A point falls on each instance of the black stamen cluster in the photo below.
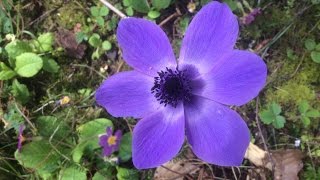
(171, 87)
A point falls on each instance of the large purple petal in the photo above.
(212, 32)
(217, 134)
(145, 46)
(236, 79)
(127, 94)
(158, 137)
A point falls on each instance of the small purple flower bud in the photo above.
(110, 143)
(21, 139)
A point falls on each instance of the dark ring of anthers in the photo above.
(171, 87)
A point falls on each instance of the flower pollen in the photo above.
(112, 140)
(171, 87)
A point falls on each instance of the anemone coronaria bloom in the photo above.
(189, 96)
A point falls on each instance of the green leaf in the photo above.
(16, 48)
(310, 44)
(99, 176)
(5, 72)
(104, 11)
(94, 128)
(232, 4)
(141, 6)
(267, 117)
(45, 42)
(50, 65)
(125, 174)
(95, 40)
(73, 173)
(276, 108)
(28, 64)
(100, 21)
(160, 4)
(291, 55)
(39, 156)
(127, 3)
(20, 92)
(279, 122)
(89, 136)
(95, 11)
(305, 121)
(80, 36)
(78, 151)
(50, 126)
(315, 56)
(106, 45)
(129, 11)
(303, 107)
(318, 47)
(125, 147)
(153, 14)
(313, 113)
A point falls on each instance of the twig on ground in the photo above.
(262, 137)
(112, 8)
(176, 14)
(34, 129)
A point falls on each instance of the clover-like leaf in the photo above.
(5, 72)
(279, 122)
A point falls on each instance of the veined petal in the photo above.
(144, 45)
(158, 137)
(217, 134)
(236, 79)
(127, 94)
(212, 32)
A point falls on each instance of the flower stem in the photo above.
(112, 8)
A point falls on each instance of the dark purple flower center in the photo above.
(171, 87)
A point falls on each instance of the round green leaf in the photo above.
(95, 40)
(28, 64)
(127, 3)
(315, 56)
(104, 11)
(160, 4)
(94, 11)
(310, 44)
(106, 45)
(129, 11)
(153, 14)
(141, 6)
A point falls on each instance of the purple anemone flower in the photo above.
(21, 139)
(109, 142)
(189, 96)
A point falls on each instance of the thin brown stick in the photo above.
(26, 118)
(112, 8)
(263, 140)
